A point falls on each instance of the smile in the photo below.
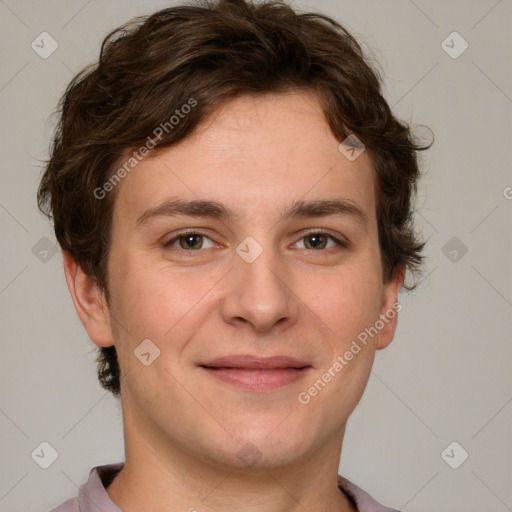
(258, 379)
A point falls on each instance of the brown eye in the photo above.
(188, 241)
(319, 240)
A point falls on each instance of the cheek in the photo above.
(350, 306)
(155, 302)
(347, 301)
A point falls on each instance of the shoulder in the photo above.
(70, 505)
(92, 496)
(364, 502)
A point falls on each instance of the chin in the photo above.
(253, 456)
(267, 447)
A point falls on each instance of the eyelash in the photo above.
(168, 245)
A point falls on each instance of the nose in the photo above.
(260, 293)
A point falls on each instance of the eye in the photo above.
(318, 240)
(189, 241)
(193, 241)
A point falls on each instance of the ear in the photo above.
(390, 308)
(89, 301)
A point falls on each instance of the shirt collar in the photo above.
(93, 497)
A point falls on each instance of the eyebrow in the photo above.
(203, 208)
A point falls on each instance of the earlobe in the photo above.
(390, 309)
(89, 302)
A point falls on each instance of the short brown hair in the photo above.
(212, 52)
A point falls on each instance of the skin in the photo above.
(183, 428)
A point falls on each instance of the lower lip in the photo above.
(258, 380)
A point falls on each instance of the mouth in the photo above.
(257, 374)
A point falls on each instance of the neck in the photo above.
(178, 484)
(165, 474)
(151, 488)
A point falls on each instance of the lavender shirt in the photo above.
(92, 496)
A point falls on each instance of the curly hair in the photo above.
(214, 51)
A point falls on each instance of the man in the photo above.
(233, 197)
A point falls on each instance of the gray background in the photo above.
(446, 377)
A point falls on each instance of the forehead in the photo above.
(255, 153)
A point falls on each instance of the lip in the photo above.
(257, 373)
(249, 362)
(258, 379)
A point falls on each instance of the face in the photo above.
(292, 268)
